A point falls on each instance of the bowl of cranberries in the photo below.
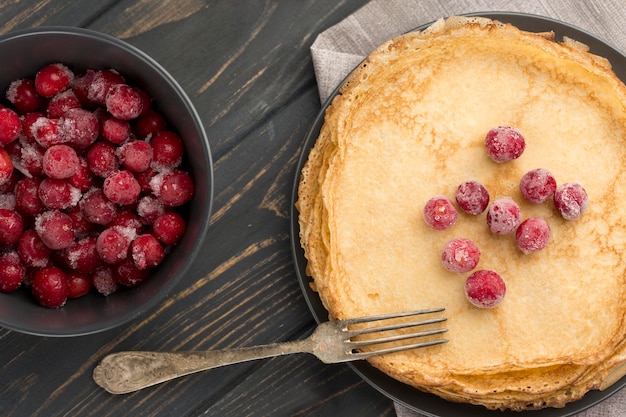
(105, 182)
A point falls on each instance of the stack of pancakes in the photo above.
(409, 124)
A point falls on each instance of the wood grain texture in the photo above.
(247, 68)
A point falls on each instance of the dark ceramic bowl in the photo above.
(24, 52)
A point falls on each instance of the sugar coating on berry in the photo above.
(485, 288)
(503, 216)
(104, 280)
(123, 102)
(149, 208)
(101, 83)
(55, 229)
(31, 159)
(440, 213)
(472, 197)
(571, 200)
(460, 255)
(60, 161)
(537, 185)
(121, 187)
(80, 127)
(48, 132)
(504, 143)
(532, 235)
(7, 201)
(49, 287)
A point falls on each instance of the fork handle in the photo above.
(124, 372)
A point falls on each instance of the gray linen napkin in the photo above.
(338, 49)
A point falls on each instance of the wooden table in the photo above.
(246, 66)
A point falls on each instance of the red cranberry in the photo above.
(57, 194)
(537, 185)
(32, 251)
(60, 161)
(82, 179)
(27, 124)
(167, 150)
(439, 213)
(55, 229)
(82, 255)
(503, 216)
(135, 155)
(104, 280)
(124, 102)
(504, 143)
(101, 84)
(101, 159)
(12, 272)
(532, 235)
(61, 103)
(571, 200)
(149, 125)
(11, 226)
(150, 208)
(6, 166)
(485, 289)
(10, 126)
(472, 197)
(31, 157)
(53, 79)
(146, 251)
(127, 219)
(460, 255)
(115, 130)
(50, 287)
(121, 187)
(81, 127)
(27, 199)
(97, 208)
(48, 132)
(23, 95)
(113, 243)
(169, 228)
(127, 273)
(80, 225)
(175, 188)
(78, 284)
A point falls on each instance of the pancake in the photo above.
(408, 124)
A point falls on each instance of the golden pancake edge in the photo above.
(408, 124)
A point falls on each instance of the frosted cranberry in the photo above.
(532, 235)
(169, 228)
(57, 194)
(60, 161)
(31, 157)
(7, 201)
(167, 150)
(460, 255)
(537, 185)
(175, 188)
(81, 127)
(104, 280)
(127, 219)
(135, 155)
(55, 229)
(504, 143)
(11, 226)
(150, 208)
(80, 86)
(82, 179)
(53, 79)
(472, 197)
(10, 126)
(503, 216)
(12, 272)
(47, 132)
(113, 243)
(9, 185)
(485, 288)
(127, 273)
(61, 103)
(149, 125)
(32, 251)
(101, 159)
(23, 95)
(146, 251)
(6, 166)
(144, 178)
(78, 284)
(49, 286)
(101, 83)
(80, 224)
(121, 187)
(123, 102)
(27, 123)
(571, 200)
(82, 255)
(439, 212)
(97, 208)
(27, 199)
(115, 130)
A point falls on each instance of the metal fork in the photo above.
(331, 342)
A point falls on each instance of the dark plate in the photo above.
(428, 404)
